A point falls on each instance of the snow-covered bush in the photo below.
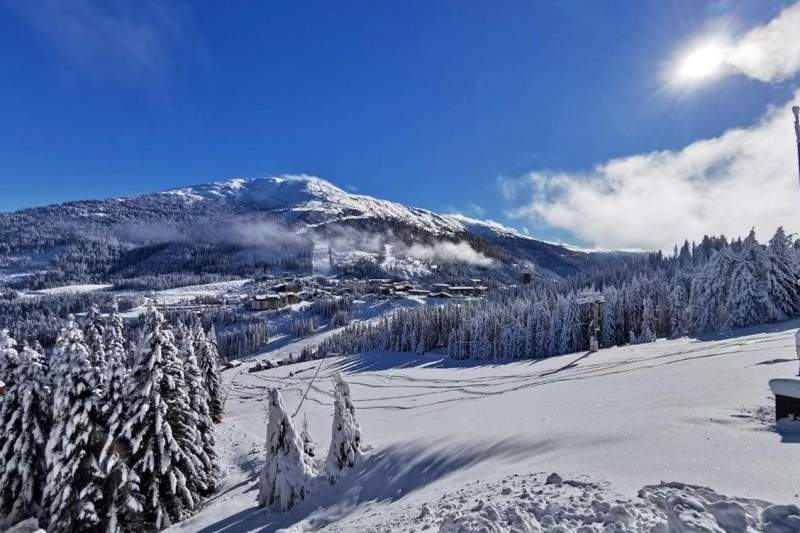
(288, 470)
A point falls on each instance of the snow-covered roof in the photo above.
(785, 387)
(266, 297)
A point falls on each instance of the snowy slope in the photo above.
(228, 212)
(445, 435)
(315, 201)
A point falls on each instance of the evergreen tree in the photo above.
(570, 326)
(709, 294)
(8, 357)
(748, 299)
(164, 469)
(183, 422)
(24, 428)
(208, 360)
(198, 403)
(288, 470)
(678, 304)
(121, 487)
(646, 333)
(305, 436)
(74, 494)
(783, 275)
(94, 333)
(346, 443)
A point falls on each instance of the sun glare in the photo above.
(700, 64)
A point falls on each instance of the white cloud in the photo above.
(122, 37)
(770, 52)
(448, 252)
(746, 177)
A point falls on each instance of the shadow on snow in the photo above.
(387, 474)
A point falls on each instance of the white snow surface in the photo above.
(74, 289)
(179, 294)
(316, 199)
(467, 447)
(486, 228)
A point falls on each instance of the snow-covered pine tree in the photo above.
(183, 420)
(113, 408)
(208, 361)
(305, 436)
(94, 334)
(346, 444)
(743, 297)
(541, 327)
(748, 299)
(646, 333)
(24, 428)
(609, 319)
(121, 486)
(198, 402)
(554, 335)
(709, 294)
(783, 275)
(212, 338)
(678, 312)
(166, 472)
(570, 326)
(8, 356)
(74, 490)
(288, 470)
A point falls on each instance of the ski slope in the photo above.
(448, 434)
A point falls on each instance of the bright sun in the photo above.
(700, 64)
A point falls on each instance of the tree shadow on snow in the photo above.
(382, 475)
(777, 327)
(776, 361)
(378, 361)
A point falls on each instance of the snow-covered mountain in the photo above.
(306, 204)
(314, 201)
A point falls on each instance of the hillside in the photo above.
(241, 226)
(474, 440)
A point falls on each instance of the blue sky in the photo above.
(435, 104)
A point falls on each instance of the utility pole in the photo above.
(796, 111)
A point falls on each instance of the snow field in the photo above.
(618, 420)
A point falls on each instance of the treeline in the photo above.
(99, 437)
(38, 319)
(160, 282)
(699, 289)
(140, 265)
(237, 333)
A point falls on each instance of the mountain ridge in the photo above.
(296, 203)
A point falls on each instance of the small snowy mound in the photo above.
(781, 519)
(512, 519)
(534, 503)
(688, 508)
